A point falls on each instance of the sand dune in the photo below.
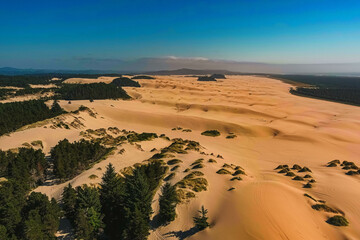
(272, 126)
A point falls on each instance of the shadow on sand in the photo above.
(182, 234)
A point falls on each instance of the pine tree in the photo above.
(168, 201)
(111, 198)
(201, 222)
(69, 201)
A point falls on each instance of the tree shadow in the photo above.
(181, 235)
(155, 222)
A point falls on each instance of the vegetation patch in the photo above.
(312, 198)
(212, 160)
(197, 166)
(194, 174)
(223, 171)
(211, 133)
(325, 208)
(169, 177)
(298, 178)
(125, 82)
(195, 184)
(93, 176)
(184, 195)
(174, 168)
(236, 178)
(290, 174)
(238, 172)
(174, 161)
(231, 136)
(338, 220)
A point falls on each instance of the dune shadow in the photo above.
(182, 234)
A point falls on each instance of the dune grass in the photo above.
(211, 133)
(338, 220)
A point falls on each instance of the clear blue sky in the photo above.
(286, 31)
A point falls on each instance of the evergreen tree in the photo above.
(201, 222)
(111, 197)
(69, 201)
(168, 201)
(82, 225)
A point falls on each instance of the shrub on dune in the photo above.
(338, 220)
(223, 171)
(298, 178)
(211, 133)
(290, 174)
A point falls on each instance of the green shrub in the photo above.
(296, 167)
(197, 166)
(236, 178)
(338, 220)
(305, 169)
(174, 168)
(237, 172)
(298, 178)
(194, 174)
(93, 176)
(169, 177)
(174, 161)
(325, 208)
(231, 136)
(211, 133)
(223, 171)
(212, 160)
(308, 185)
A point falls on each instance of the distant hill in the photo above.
(188, 71)
(19, 71)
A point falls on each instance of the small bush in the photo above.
(169, 177)
(325, 208)
(338, 220)
(212, 160)
(332, 165)
(236, 178)
(174, 161)
(305, 169)
(93, 176)
(312, 181)
(237, 172)
(197, 166)
(290, 174)
(284, 170)
(298, 178)
(194, 174)
(308, 185)
(186, 170)
(351, 172)
(231, 136)
(223, 171)
(200, 160)
(230, 189)
(296, 167)
(335, 161)
(174, 168)
(195, 184)
(211, 133)
(307, 176)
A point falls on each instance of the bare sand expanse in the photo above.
(90, 80)
(272, 127)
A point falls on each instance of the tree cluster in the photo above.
(126, 201)
(28, 166)
(167, 202)
(83, 208)
(125, 82)
(91, 91)
(72, 158)
(24, 216)
(17, 114)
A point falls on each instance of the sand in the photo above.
(272, 126)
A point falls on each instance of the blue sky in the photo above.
(46, 33)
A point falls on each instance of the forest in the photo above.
(333, 88)
(72, 158)
(24, 216)
(17, 114)
(91, 91)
